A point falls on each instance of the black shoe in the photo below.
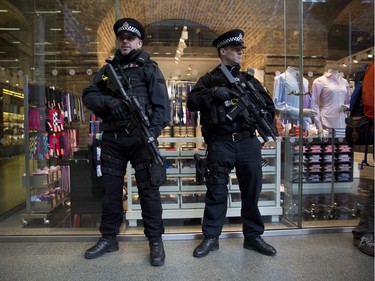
(207, 245)
(103, 246)
(365, 244)
(259, 245)
(157, 254)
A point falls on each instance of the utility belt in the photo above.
(235, 137)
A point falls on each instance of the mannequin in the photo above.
(285, 91)
(332, 91)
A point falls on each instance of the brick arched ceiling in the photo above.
(262, 21)
(217, 15)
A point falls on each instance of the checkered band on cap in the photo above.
(227, 41)
(127, 27)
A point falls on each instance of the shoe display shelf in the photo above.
(183, 198)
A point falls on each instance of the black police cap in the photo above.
(230, 38)
(129, 26)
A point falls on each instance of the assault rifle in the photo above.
(250, 102)
(137, 113)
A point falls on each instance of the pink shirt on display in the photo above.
(332, 91)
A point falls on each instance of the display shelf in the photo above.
(12, 134)
(42, 178)
(47, 205)
(45, 194)
(326, 164)
(182, 197)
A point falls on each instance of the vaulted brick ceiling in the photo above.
(256, 17)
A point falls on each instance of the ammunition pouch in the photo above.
(158, 174)
(150, 175)
(200, 168)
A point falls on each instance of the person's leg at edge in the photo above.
(363, 233)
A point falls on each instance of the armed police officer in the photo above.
(142, 79)
(230, 144)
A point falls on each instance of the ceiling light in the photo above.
(47, 54)
(9, 28)
(55, 29)
(184, 34)
(48, 12)
(43, 43)
(182, 44)
(97, 52)
(53, 61)
(3, 11)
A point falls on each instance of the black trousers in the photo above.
(122, 148)
(245, 156)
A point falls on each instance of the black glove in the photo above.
(223, 94)
(117, 107)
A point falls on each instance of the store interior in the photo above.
(52, 49)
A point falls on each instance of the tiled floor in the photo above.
(317, 257)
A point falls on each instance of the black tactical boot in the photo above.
(157, 254)
(259, 245)
(103, 246)
(207, 245)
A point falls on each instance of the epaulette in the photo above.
(214, 70)
(143, 58)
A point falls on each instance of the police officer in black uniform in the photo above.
(230, 144)
(142, 78)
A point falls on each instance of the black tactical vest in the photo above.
(134, 81)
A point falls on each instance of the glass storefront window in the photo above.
(51, 50)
